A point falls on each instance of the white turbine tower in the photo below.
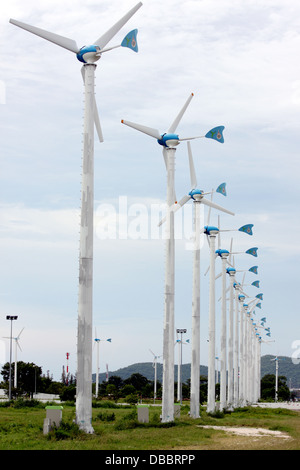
(88, 55)
(197, 196)
(17, 345)
(154, 364)
(227, 378)
(97, 341)
(169, 141)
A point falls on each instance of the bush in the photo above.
(104, 404)
(21, 403)
(132, 399)
(128, 421)
(65, 431)
(106, 417)
(68, 393)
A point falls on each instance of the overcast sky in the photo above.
(239, 58)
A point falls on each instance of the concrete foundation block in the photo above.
(143, 413)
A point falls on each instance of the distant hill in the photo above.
(286, 368)
(147, 370)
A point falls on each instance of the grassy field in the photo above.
(21, 428)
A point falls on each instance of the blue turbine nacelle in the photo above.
(220, 252)
(231, 271)
(89, 54)
(211, 230)
(195, 192)
(169, 140)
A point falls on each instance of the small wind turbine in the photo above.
(169, 141)
(154, 364)
(87, 55)
(197, 196)
(17, 345)
(212, 232)
(97, 341)
(226, 259)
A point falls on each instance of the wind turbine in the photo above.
(17, 345)
(169, 141)
(97, 341)
(154, 364)
(226, 259)
(197, 196)
(87, 55)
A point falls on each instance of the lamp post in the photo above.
(179, 385)
(97, 340)
(11, 318)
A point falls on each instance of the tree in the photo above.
(128, 389)
(28, 378)
(138, 381)
(111, 390)
(268, 387)
(203, 388)
(116, 381)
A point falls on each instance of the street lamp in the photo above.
(11, 318)
(179, 385)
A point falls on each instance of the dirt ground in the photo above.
(249, 438)
(251, 432)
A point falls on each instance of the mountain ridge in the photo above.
(286, 368)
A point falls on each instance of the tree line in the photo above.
(30, 380)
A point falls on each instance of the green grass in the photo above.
(117, 428)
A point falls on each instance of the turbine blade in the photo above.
(181, 203)
(192, 168)
(62, 41)
(106, 37)
(230, 251)
(97, 122)
(175, 208)
(146, 130)
(96, 114)
(20, 333)
(215, 206)
(206, 271)
(174, 126)
(209, 210)
(18, 345)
